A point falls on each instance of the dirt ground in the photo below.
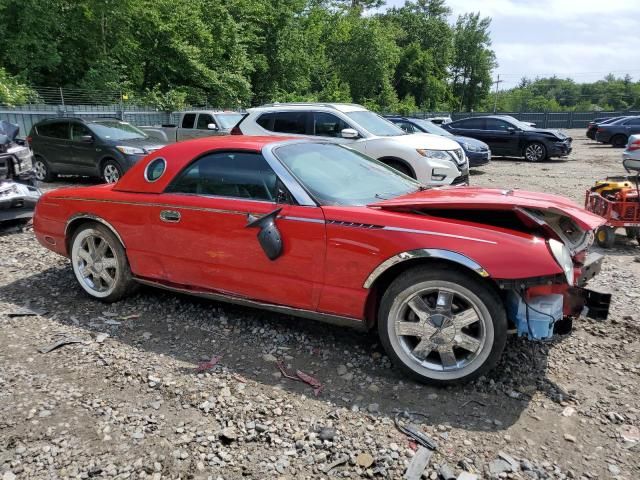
(128, 401)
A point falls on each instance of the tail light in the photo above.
(634, 146)
(600, 130)
(235, 131)
(28, 140)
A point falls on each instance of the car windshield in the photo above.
(517, 123)
(117, 130)
(431, 127)
(335, 175)
(375, 124)
(228, 120)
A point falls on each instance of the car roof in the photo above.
(341, 107)
(179, 155)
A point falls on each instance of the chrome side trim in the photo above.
(296, 312)
(424, 253)
(89, 216)
(301, 219)
(160, 205)
(439, 234)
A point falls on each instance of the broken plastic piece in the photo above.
(59, 343)
(418, 464)
(204, 366)
(301, 377)
(27, 311)
(419, 436)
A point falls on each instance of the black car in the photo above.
(105, 147)
(592, 126)
(617, 132)
(477, 152)
(508, 137)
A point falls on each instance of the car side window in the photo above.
(228, 174)
(328, 125)
(266, 121)
(58, 130)
(407, 127)
(204, 119)
(188, 120)
(290, 122)
(497, 125)
(633, 121)
(78, 131)
(470, 123)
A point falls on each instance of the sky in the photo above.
(579, 39)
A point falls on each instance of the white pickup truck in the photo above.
(195, 124)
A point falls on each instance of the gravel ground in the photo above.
(128, 401)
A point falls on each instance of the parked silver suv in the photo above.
(431, 159)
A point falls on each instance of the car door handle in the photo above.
(170, 216)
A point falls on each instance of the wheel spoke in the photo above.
(423, 349)
(467, 342)
(420, 308)
(447, 357)
(443, 304)
(95, 277)
(85, 271)
(466, 318)
(101, 248)
(91, 245)
(409, 329)
(109, 262)
(108, 279)
(84, 255)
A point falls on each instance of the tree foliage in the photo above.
(246, 52)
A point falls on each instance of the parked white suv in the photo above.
(431, 159)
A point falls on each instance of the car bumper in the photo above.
(603, 137)
(560, 149)
(591, 133)
(17, 200)
(477, 159)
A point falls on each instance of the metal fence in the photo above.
(541, 119)
(27, 115)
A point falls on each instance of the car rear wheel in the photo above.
(100, 263)
(619, 141)
(535, 152)
(606, 236)
(111, 171)
(442, 326)
(42, 171)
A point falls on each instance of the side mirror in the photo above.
(349, 133)
(511, 130)
(86, 139)
(212, 126)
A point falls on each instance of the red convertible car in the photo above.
(317, 230)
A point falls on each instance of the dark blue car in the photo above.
(477, 152)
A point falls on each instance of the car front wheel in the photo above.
(619, 141)
(100, 263)
(535, 152)
(42, 171)
(442, 326)
(111, 171)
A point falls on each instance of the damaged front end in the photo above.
(542, 308)
(18, 191)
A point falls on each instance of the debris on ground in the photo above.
(60, 343)
(300, 376)
(204, 366)
(27, 311)
(412, 431)
(418, 464)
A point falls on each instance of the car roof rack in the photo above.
(308, 104)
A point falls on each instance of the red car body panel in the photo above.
(329, 251)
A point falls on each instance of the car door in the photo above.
(632, 126)
(326, 124)
(502, 137)
(202, 126)
(201, 232)
(186, 130)
(84, 158)
(53, 144)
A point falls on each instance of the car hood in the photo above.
(549, 132)
(470, 141)
(426, 140)
(147, 144)
(474, 198)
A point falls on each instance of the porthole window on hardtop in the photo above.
(155, 169)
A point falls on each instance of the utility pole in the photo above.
(495, 100)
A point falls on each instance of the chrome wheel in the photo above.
(95, 263)
(535, 152)
(40, 170)
(440, 330)
(110, 173)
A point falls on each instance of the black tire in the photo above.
(124, 284)
(535, 152)
(401, 167)
(633, 233)
(110, 171)
(42, 170)
(481, 300)
(619, 141)
(606, 236)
